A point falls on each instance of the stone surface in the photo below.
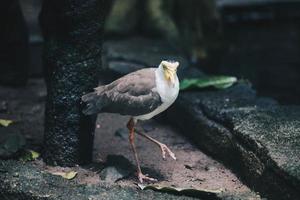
(24, 106)
(117, 168)
(143, 53)
(10, 143)
(24, 181)
(254, 136)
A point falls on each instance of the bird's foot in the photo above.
(164, 149)
(143, 177)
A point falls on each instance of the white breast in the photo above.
(167, 92)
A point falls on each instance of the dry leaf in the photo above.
(184, 191)
(30, 155)
(67, 175)
(5, 122)
(34, 154)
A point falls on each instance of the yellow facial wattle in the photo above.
(170, 75)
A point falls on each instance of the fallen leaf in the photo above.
(34, 154)
(219, 82)
(182, 191)
(67, 175)
(5, 122)
(30, 155)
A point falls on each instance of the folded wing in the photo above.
(134, 94)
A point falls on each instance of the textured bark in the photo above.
(72, 59)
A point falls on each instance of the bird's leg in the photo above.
(164, 149)
(141, 176)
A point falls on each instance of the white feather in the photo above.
(168, 93)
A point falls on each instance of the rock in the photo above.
(3, 106)
(112, 174)
(143, 53)
(121, 163)
(122, 133)
(10, 143)
(273, 135)
(123, 67)
(147, 127)
(32, 183)
(118, 60)
(254, 136)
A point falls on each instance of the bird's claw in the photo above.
(143, 177)
(164, 149)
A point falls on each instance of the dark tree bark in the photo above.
(72, 59)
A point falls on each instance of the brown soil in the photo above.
(192, 169)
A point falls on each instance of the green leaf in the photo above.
(199, 192)
(219, 82)
(224, 86)
(187, 83)
(29, 155)
(67, 175)
(5, 122)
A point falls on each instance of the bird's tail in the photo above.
(90, 103)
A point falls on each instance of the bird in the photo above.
(141, 95)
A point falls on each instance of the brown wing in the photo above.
(134, 94)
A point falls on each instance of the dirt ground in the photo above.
(192, 169)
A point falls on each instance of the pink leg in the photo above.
(140, 175)
(164, 149)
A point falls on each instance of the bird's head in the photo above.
(169, 69)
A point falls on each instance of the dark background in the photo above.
(257, 40)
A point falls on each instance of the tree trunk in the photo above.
(72, 62)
